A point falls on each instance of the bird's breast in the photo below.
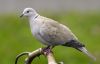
(35, 28)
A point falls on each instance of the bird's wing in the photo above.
(54, 33)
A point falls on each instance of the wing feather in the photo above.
(55, 33)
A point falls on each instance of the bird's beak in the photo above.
(21, 15)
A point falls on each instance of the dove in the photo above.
(52, 33)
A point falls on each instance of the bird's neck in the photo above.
(33, 17)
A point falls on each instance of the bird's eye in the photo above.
(27, 11)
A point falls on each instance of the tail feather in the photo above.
(79, 46)
(83, 49)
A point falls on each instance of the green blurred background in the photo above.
(15, 35)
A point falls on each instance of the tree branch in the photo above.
(33, 55)
(36, 53)
(51, 59)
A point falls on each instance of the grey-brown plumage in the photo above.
(52, 33)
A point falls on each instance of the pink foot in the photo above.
(47, 50)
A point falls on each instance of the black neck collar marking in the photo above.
(36, 16)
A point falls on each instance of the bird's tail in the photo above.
(84, 50)
(79, 46)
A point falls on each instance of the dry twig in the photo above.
(36, 53)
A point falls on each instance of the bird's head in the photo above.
(28, 12)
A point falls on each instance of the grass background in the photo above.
(15, 37)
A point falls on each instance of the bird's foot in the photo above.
(47, 50)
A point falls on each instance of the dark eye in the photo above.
(27, 11)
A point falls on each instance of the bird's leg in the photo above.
(47, 50)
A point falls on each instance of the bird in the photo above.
(52, 33)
